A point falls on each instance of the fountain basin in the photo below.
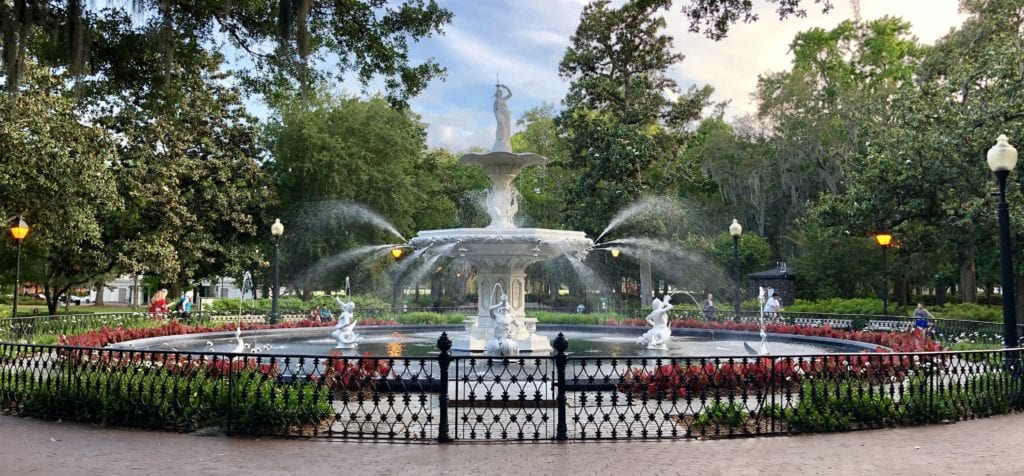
(421, 341)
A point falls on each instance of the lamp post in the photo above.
(736, 230)
(277, 229)
(884, 239)
(19, 230)
(396, 254)
(1002, 157)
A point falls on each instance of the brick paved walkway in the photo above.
(990, 446)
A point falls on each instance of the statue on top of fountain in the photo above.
(503, 133)
(343, 330)
(506, 327)
(658, 336)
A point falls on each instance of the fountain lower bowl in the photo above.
(421, 341)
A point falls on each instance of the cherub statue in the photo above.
(343, 330)
(505, 329)
(658, 336)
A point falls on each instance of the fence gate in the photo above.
(495, 398)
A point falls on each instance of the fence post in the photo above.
(231, 392)
(444, 344)
(561, 344)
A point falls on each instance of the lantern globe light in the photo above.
(19, 229)
(735, 229)
(1002, 156)
(277, 229)
(616, 252)
(397, 253)
(884, 238)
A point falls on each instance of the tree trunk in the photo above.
(99, 295)
(645, 280)
(899, 289)
(966, 255)
(940, 294)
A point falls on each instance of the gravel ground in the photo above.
(989, 446)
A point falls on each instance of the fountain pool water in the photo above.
(421, 341)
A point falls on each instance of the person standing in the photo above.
(185, 306)
(709, 307)
(158, 304)
(922, 316)
(773, 307)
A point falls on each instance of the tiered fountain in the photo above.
(501, 251)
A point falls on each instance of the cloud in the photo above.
(733, 64)
(525, 40)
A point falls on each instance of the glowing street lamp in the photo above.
(884, 239)
(19, 230)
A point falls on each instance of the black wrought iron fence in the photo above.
(943, 329)
(533, 398)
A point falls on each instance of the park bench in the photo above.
(807, 322)
(833, 323)
(838, 323)
(897, 326)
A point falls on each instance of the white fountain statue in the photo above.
(658, 336)
(501, 251)
(343, 330)
(503, 134)
(506, 327)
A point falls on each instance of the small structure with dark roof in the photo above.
(781, 278)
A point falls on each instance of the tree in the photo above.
(714, 17)
(289, 42)
(330, 153)
(55, 174)
(963, 96)
(623, 131)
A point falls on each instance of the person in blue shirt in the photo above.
(921, 316)
(325, 314)
(185, 306)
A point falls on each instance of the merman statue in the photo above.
(658, 336)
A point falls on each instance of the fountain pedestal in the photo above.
(502, 251)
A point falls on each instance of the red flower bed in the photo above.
(356, 374)
(679, 380)
(912, 341)
(108, 335)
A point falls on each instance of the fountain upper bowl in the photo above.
(504, 242)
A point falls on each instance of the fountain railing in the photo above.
(558, 397)
(46, 329)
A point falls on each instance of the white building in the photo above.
(121, 289)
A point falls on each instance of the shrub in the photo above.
(594, 318)
(826, 405)
(144, 394)
(719, 413)
(428, 318)
(292, 303)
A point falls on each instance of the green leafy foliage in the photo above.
(720, 413)
(139, 395)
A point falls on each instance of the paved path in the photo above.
(990, 446)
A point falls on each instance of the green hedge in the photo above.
(293, 303)
(427, 318)
(870, 306)
(145, 396)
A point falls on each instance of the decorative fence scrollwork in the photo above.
(530, 398)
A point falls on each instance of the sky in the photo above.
(524, 40)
